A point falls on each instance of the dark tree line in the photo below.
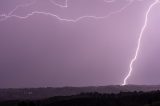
(95, 99)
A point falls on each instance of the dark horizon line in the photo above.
(80, 86)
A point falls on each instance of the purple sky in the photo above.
(42, 51)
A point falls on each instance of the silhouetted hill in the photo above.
(42, 93)
(94, 99)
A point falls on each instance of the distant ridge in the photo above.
(42, 93)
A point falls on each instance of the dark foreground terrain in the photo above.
(114, 95)
(94, 99)
(43, 93)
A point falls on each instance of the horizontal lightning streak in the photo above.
(11, 15)
(139, 41)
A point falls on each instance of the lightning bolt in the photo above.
(59, 5)
(11, 15)
(5, 16)
(139, 41)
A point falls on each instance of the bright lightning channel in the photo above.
(139, 41)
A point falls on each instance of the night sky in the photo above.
(43, 51)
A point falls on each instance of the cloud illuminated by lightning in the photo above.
(139, 41)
